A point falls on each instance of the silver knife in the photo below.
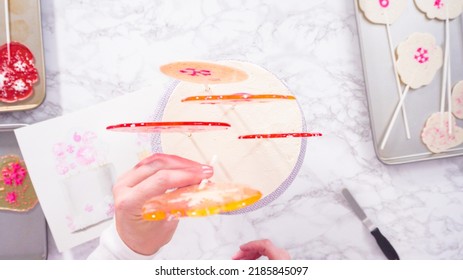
(383, 243)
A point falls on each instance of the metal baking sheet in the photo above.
(26, 28)
(23, 235)
(381, 88)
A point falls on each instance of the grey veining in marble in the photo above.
(98, 50)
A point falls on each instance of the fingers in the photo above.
(151, 165)
(163, 180)
(246, 255)
(257, 248)
(134, 198)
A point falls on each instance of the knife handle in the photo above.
(385, 245)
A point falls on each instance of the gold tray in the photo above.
(25, 28)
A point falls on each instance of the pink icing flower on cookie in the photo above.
(13, 174)
(419, 58)
(382, 11)
(11, 197)
(440, 8)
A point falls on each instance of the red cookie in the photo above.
(17, 73)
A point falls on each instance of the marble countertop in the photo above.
(99, 50)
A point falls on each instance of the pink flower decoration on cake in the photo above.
(440, 8)
(457, 100)
(382, 11)
(419, 58)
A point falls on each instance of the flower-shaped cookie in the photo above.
(382, 11)
(17, 73)
(457, 100)
(436, 134)
(16, 190)
(440, 8)
(419, 58)
(203, 72)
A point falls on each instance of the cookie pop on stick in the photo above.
(419, 58)
(443, 10)
(7, 29)
(386, 12)
(17, 70)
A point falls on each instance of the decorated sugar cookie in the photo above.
(443, 10)
(386, 12)
(197, 201)
(419, 58)
(457, 100)
(440, 9)
(203, 72)
(436, 134)
(382, 11)
(17, 72)
(16, 190)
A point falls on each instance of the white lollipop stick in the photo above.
(394, 117)
(397, 80)
(449, 72)
(446, 79)
(7, 27)
(449, 98)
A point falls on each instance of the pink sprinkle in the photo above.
(11, 197)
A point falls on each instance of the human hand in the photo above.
(152, 176)
(258, 248)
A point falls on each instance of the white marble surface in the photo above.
(98, 50)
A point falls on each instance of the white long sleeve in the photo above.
(111, 247)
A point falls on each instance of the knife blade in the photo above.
(383, 243)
